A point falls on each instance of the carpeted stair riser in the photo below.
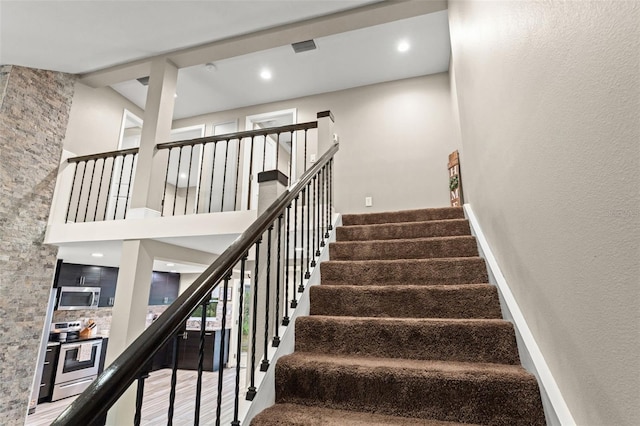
(415, 248)
(467, 270)
(301, 415)
(490, 394)
(443, 301)
(390, 231)
(488, 341)
(420, 215)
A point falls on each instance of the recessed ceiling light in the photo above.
(299, 249)
(97, 254)
(183, 175)
(174, 271)
(210, 66)
(403, 46)
(175, 95)
(171, 264)
(265, 74)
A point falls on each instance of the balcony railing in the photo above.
(204, 175)
(280, 249)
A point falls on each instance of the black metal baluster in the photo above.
(264, 153)
(126, 204)
(213, 167)
(174, 380)
(73, 184)
(319, 228)
(251, 146)
(224, 173)
(95, 212)
(115, 211)
(303, 201)
(166, 181)
(305, 151)
(276, 337)
(291, 160)
(199, 189)
(236, 402)
(313, 221)
(264, 365)
(330, 192)
(251, 392)
(223, 334)
(294, 302)
(277, 151)
(186, 198)
(287, 249)
(106, 204)
(175, 194)
(307, 274)
(139, 396)
(235, 197)
(84, 169)
(325, 218)
(93, 172)
(203, 326)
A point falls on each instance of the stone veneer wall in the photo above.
(34, 110)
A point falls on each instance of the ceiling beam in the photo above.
(366, 16)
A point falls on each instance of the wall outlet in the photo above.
(312, 158)
(368, 201)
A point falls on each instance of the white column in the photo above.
(129, 314)
(158, 116)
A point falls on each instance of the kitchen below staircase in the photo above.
(404, 329)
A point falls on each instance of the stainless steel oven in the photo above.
(78, 365)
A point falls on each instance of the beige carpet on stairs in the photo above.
(404, 330)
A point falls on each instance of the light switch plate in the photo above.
(312, 158)
(368, 201)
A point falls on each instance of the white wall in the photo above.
(394, 141)
(548, 96)
(95, 120)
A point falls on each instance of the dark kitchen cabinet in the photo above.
(188, 348)
(108, 281)
(74, 275)
(48, 373)
(165, 287)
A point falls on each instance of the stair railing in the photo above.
(284, 244)
(202, 175)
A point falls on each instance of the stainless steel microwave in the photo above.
(75, 298)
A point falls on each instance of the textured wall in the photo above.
(549, 100)
(394, 141)
(33, 118)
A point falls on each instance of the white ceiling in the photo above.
(84, 36)
(341, 61)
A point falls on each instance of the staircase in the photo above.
(404, 330)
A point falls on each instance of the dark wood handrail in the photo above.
(116, 379)
(100, 155)
(240, 135)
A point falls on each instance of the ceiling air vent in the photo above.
(143, 80)
(303, 46)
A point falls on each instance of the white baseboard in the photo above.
(556, 410)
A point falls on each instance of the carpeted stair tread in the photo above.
(303, 415)
(390, 231)
(464, 340)
(454, 270)
(493, 394)
(407, 301)
(409, 248)
(418, 215)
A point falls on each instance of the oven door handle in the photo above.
(76, 383)
(78, 346)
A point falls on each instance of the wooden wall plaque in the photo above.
(455, 180)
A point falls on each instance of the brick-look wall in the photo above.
(34, 110)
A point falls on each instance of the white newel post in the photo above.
(325, 132)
